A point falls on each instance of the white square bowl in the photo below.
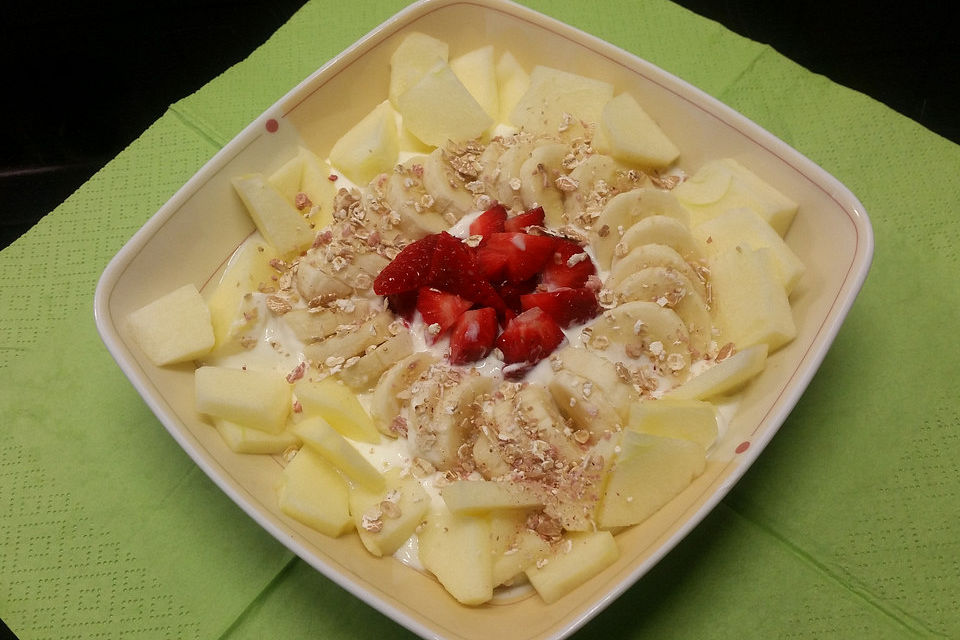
(190, 238)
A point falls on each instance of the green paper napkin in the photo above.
(846, 526)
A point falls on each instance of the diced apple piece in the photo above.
(243, 439)
(316, 184)
(370, 147)
(721, 185)
(365, 372)
(515, 546)
(335, 403)
(438, 108)
(648, 472)
(287, 178)
(693, 420)
(250, 397)
(724, 377)
(248, 269)
(386, 519)
(479, 496)
(571, 565)
(749, 303)
(554, 95)
(456, 549)
(415, 55)
(278, 221)
(173, 328)
(512, 83)
(477, 72)
(317, 434)
(314, 493)
(746, 227)
(629, 134)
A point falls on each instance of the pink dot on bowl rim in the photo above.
(272, 125)
(743, 446)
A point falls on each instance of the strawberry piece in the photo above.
(520, 222)
(403, 304)
(472, 335)
(441, 308)
(566, 306)
(455, 269)
(510, 292)
(490, 221)
(410, 270)
(569, 267)
(514, 256)
(527, 339)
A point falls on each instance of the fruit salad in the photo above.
(488, 328)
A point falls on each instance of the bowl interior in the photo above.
(190, 239)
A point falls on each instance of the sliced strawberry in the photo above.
(510, 292)
(490, 221)
(440, 308)
(403, 304)
(455, 269)
(529, 338)
(566, 306)
(569, 267)
(410, 270)
(514, 256)
(520, 222)
(472, 335)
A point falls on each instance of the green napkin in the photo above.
(846, 526)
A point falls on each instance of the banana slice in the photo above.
(624, 210)
(313, 325)
(541, 418)
(351, 340)
(658, 229)
(673, 290)
(602, 372)
(584, 403)
(445, 186)
(363, 373)
(538, 184)
(653, 255)
(645, 329)
(404, 192)
(592, 185)
(392, 390)
(323, 275)
(439, 415)
(509, 167)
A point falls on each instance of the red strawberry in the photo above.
(440, 307)
(529, 338)
(455, 269)
(472, 336)
(490, 221)
(403, 304)
(514, 256)
(531, 217)
(569, 267)
(566, 306)
(510, 292)
(410, 270)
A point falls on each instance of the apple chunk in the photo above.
(173, 328)
(631, 135)
(414, 56)
(370, 147)
(438, 108)
(457, 550)
(322, 438)
(277, 220)
(648, 472)
(554, 95)
(575, 560)
(335, 403)
(386, 518)
(314, 493)
(250, 397)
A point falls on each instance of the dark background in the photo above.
(83, 80)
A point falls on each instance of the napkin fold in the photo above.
(846, 525)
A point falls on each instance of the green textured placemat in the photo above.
(845, 527)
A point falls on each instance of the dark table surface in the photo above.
(83, 80)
